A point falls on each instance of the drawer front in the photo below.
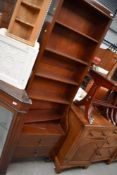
(115, 157)
(83, 151)
(38, 140)
(103, 154)
(96, 133)
(32, 152)
(100, 132)
(110, 142)
(113, 132)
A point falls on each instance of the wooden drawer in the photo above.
(104, 154)
(31, 152)
(96, 133)
(110, 142)
(113, 132)
(41, 134)
(37, 140)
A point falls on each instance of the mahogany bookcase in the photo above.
(66, 53)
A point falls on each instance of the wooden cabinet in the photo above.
(14, 104)
(86, 143)
(27, 20)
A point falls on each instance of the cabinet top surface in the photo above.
(100, 7)
(99, 120)
(14, 92)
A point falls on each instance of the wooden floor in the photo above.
(44, 168)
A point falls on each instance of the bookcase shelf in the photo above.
(66, 56)
(42, 111)
(27, 20)
(31, 5)
(21, 30)
(56, 91)
(37, 3)
(26, 15)
(35, 116)
(24, 22)
(76, 31)
(78, 47)
(43, 97)
(92, 23)
(51, 77)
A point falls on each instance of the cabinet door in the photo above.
(114, 158)
(104, 153)
(85, 151)
(6, 117)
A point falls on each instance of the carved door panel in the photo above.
(85, 151)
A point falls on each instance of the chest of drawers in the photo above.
(85, 143)
(38, 140)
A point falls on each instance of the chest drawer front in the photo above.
(38, 140)
(96, 133)
(32, 152)
(103, 154)
(113, 132)
(110, 142)
(42, 134)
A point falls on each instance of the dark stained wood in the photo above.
(18, 103)
(7, 10)
(39, 140)
(14, 92)
(41, 111)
